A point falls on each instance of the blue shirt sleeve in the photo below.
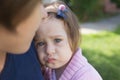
(22, 67)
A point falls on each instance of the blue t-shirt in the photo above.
(22, 67)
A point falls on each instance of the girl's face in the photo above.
(19, 42)
(52, 44)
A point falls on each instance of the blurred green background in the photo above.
(92, 10)
(103, 52)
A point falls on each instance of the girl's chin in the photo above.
(53, 66)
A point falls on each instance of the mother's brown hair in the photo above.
(12, 12)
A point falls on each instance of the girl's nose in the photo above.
(50, 49)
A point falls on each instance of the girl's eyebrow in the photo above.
(53, 36)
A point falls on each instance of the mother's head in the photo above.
(19, 20)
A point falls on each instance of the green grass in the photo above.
(117, 31)
(103, 52)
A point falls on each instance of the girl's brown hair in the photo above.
(12, 12)
(71, 23)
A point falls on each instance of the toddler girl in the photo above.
(57, 41)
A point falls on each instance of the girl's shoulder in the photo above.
(80, 69)
(88, 72)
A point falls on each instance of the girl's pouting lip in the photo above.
(50, 60)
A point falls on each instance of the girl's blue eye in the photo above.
(41, 43)
(58, 40)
